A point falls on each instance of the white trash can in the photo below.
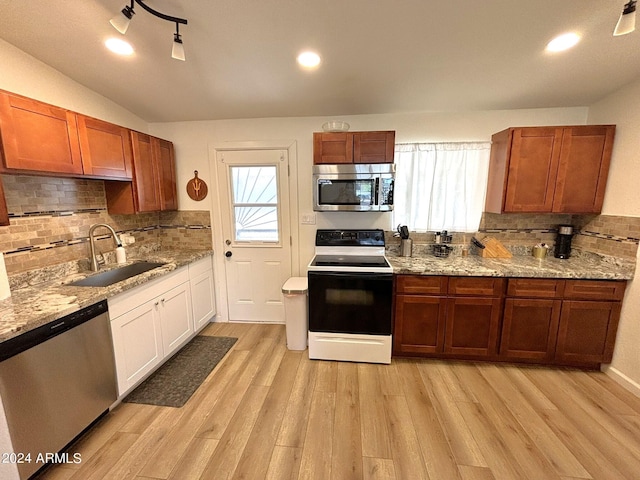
(296, 312)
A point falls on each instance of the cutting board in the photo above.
(494, 249)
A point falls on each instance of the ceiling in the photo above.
(379, 56)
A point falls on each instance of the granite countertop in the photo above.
(581, 265)
(38, 301)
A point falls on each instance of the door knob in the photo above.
(228, 254)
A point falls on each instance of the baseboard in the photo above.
(622, 379)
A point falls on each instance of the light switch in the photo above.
(309, 219)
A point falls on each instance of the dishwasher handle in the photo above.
(20, 343)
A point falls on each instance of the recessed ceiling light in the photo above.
(309, 60)
(563, 42)
(119, 46)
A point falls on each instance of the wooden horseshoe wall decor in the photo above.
(196, 188)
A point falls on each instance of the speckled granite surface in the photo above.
(580, 265)
(36, 300)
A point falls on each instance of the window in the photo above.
(440, 186)
(255, 203)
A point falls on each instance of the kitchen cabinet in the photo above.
(37, 137)
(589, 321)
(531, 318)
(43, 139)
(454, 316)
(202, 292)
(154, 186)
(105, 148)
(148, 324)
(353, 147)
(549, 169)
(541, 320)
(4, 212)
(137, 345)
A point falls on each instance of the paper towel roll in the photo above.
(5, 291)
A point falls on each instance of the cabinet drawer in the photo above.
(594, 289)
(535, 287)
(485, 286)
(421, 284)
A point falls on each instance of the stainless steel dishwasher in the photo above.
(55, 381)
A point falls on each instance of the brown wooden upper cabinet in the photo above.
(38, 138)
(353, 147)
(105, 149)
(549, 169)
(154, 185)
(4, 213)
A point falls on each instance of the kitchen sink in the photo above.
(116, 275)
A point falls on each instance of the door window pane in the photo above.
(254, 193)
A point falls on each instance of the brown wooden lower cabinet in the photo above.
(530, 328)
(549, 321)
(472, 326)
(587, 331)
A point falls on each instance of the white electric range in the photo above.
(350, 297)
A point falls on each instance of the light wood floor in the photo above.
(266, 412)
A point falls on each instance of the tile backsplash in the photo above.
(50, 219)
(604, 234)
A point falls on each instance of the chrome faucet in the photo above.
(92, 246)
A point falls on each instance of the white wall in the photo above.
(623, 109)
(24, 75)
(194, 140)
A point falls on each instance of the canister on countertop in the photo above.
(406, 247)
(540, 251)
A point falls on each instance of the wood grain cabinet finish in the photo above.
(353, 147)
(540, 320)
(4, 213)
(431, 318)
(549, 169)
(154, 186)
(105, 149)
(37, 137)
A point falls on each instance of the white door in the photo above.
(254, 196)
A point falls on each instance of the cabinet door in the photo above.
(175, 318)
(530, 328)
(373, 147)
(203, 299)
(4, 213)
(137, 344)
(146, 176)
(532, 169)
(587, 331)
(38, 137)
(583, 169)
(419, 324)
(105, 148)
(472, 326)
(166, 168)
(332, 147)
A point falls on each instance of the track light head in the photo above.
(121, 22)
(177, 51)
(627, 21)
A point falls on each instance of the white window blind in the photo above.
(440, 186)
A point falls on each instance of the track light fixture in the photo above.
(627, 21)
(121, 23)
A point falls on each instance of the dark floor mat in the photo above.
(174, 382)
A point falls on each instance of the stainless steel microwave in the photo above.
(353, 187)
